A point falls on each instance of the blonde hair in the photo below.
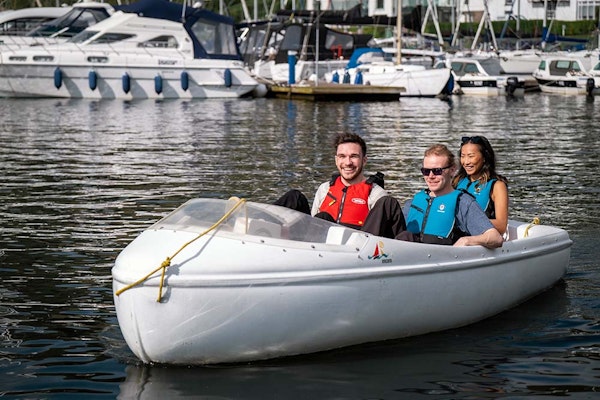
(441, 150)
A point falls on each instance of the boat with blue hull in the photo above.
(152, 49)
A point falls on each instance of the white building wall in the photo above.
(529, 9)
(566, 9)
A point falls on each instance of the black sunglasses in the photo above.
(472, 139)
(436, 171)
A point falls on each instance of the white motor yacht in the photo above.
(172, 51)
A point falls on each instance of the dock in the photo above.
(335, 92)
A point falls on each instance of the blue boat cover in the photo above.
(353, 62)
(188, 16)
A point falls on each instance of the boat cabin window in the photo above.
(83, 36)
(471, 68)
(561, 67)
(335, 39)
(215, 37)
(71, 23)
(542, 65)
(111, 38)
(457, 67)
(21, 26)
(164, 42)
(292, 39)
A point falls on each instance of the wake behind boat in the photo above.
(239, 281)
(150, 49)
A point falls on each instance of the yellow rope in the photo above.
(536, 221)
(165, 264)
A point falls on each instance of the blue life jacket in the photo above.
(481, 192)
(433, 219)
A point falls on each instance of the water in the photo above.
(80, 179)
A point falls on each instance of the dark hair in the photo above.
(350, 138)
(488, 170)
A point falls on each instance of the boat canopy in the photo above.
(212, 34)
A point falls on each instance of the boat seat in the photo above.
(257, 227)
(338, 235)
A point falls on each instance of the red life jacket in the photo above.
(348, 205)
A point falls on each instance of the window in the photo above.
(163, 42)
(586, 9)
(111, 38)
(21, 26)
(71, 23)
(216, 37)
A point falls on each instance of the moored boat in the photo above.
(369, 66)
(239, 281)
(68, 21)
(150, 49)
(483, 76)
(567, 76)
(20, 22)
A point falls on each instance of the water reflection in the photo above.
(462, 363)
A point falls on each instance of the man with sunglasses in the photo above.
(441, 214)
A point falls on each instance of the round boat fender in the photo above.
(260, 91)
(185, 81)
(358, 79)
(511, 85)
(335, 78)
(58, 78)
(126, 82)
(346, 77)
(158, 84)
(93, 80)
(227, 77)
(590, 84)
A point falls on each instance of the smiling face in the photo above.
(438, 184)
(350, 162)
(472, 160)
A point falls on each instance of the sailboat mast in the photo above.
(399, 32)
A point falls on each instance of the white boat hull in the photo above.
(416, 80)
(205, 80)
(234, 298)
(569, 87)
(128, 56)
(487, 87)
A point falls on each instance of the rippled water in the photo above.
(80, 179)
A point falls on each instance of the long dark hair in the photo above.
(488, 170)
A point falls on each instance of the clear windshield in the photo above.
(249, 218)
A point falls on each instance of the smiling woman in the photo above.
(477, 175)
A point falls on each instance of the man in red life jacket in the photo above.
(350, 198)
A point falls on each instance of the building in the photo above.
(472, 10)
